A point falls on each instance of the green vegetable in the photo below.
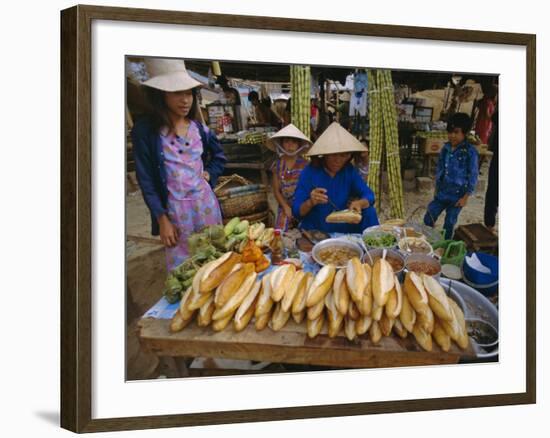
(242, 227)
(172, 296)
(241, 236)
(384, 240)
(230, 243)
(230, 226)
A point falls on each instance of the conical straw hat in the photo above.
(288, 131)
(169, 75)
(336, 140)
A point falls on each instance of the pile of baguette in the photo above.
(354, 300)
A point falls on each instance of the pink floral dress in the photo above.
(288, 180)
(192, 204)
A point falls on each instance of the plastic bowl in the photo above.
(479, 278)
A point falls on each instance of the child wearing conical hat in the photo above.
(289, 143)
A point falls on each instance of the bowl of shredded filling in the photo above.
(336, 252)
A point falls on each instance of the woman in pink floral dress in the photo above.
(177, 159)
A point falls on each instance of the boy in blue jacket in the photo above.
(456, 175)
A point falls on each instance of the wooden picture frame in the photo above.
(76, 217)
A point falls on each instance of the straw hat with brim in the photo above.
(335, 140)
(169, 75)
(288, 131)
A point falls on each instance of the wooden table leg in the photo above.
(176, 366)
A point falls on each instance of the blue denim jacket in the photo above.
(150, 170)
(457, 171)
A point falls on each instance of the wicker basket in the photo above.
(239, 197)
(262, 216)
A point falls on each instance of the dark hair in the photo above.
(459, 120)
(158, 111)
(490, 90)
(253, 95)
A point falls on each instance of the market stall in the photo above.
(312, 309)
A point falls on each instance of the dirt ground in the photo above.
(146, 268)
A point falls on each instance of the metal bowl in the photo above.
(406, 242)
(423, 258)
(476, 306)
(376, 254)
(378, 230)
(332, 243)
(476, 327)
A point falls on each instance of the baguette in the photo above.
(334, 317)
(299, 304)
(265, 302)
(178, 323)
(321, 285)
(426, 320)
(437, 298)
(281, 281)
(314, 326)
(375, 333)
(353, 311)
(232, 284)
(279, 318)
(363, 324)
(408, 314)
(382, 281)
(395, 301)
(365, 306)
(386, 324)
(205, 312)
(441, 337)
(356, 279)
(297, 284)
(341, 292)
(423, 338)
(235, 301)
(416, 293)
(377, 311)
(349, 329)
(399, 329)
(462, 339)
(241, 321)
(198, 277)
(184, 310)
(220, 324)
(298, 317)
(216, 271)
(196, 300)
(344, 217)
(314, 311)
(249, 301)
(262, 320)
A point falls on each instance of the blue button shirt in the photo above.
(346, 184)
(457, 171)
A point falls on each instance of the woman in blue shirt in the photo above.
(330, 182)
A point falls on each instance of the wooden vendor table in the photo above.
(290, 345)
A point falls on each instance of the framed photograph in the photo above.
(175, 126)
